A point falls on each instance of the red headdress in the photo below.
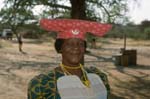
(73, 28)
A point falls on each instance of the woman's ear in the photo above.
(60, 51)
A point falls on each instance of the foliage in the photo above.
(147, 33)
(15, 14)
(130, 30)
(144, 24)
(111, 11)
(99, 10)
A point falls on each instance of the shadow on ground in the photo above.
(137, 84)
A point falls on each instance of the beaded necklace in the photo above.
(71, 67)
(86, 82)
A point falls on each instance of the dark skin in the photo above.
(72, 51)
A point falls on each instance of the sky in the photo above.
(137, 12)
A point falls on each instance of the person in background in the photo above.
(93, 43)
(70, 79)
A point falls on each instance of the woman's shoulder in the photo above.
(100, 73)
(43, 86)
(42, 78)
(95, 70)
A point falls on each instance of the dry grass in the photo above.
(17, 69)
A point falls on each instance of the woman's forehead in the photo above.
(74, 40)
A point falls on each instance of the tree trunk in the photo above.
(78, 9)
(20, 42)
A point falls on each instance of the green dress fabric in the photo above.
(44, 86)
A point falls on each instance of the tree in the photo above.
(15, 15)
(99, 10)
(147, 33)
(78, 9)
(144, 24)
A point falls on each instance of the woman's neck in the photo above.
(72, 69)
(70, 64)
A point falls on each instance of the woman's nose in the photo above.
(76, 47)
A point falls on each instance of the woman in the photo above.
(70, 80)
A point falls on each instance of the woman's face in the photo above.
(72, 51)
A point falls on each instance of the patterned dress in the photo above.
(44, 86)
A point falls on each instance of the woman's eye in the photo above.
(81, 44)
(69, 44)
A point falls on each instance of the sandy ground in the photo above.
(127, 82)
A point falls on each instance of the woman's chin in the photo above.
(75, 61)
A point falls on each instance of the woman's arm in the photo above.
(34, 88)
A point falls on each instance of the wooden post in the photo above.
(124, 41)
